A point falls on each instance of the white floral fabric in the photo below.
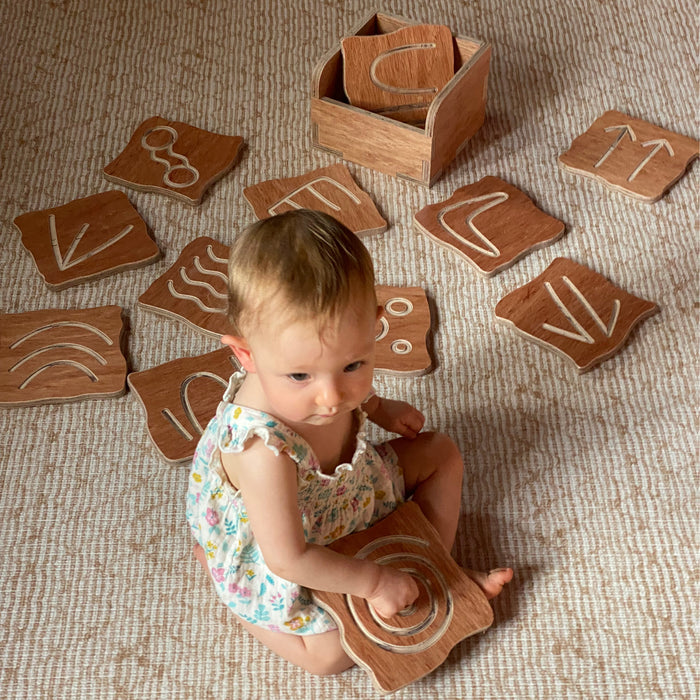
(353, 498)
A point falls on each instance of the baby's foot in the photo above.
(491, 583)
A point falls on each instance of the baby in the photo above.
(285, 467)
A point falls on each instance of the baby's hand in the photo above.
(398, 417)
(394, 592)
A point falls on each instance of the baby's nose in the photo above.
(330, 395)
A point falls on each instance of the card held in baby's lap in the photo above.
(450, 605)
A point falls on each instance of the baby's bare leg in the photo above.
(320, 654)
(433, 468)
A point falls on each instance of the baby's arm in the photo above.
(395, 416)
(268, 484)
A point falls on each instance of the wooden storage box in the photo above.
(381, 143)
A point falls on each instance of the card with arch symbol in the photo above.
(331, 190)
(55, 355)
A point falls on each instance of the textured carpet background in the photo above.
(586, 485)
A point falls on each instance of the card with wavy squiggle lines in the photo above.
(195, 288)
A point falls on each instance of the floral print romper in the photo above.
(353, 498)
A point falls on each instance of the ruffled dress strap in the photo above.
(238, 424)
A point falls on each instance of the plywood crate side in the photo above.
(399, 149)
(371, 140)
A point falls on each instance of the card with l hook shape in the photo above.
(180, 397)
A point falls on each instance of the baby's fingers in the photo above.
(413, 424)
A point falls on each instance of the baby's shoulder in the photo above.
(241, 429)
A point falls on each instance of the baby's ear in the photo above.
(241, 350)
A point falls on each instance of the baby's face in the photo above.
(313, 376)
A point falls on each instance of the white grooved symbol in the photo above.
(206, 286)
(396, 306)
(580, 333)
(187, 405)
(64, 262)
(430, 618)
(309, 186)
(395, 88)
(491, 200)
(60, 345)
(168, 148)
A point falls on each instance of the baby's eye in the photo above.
(353, 366)
(298, 376)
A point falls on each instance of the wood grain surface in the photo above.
(398, 74)
(490, 223)
(86, 239)
(630, 155)
(574, 311)
(450, 606)
(56, 355)
(331, 190)
(174, 158)
(180, 397)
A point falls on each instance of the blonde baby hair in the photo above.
(301, 263)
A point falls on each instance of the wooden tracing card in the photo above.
(490, 223)
(86, 239)
(574, 311)
(195, 288)
(180, 397)
(402, 331)
(398, 74)
(631, 155)
(55, 355)
(174, 158)
(450, 606)
(331, 190)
